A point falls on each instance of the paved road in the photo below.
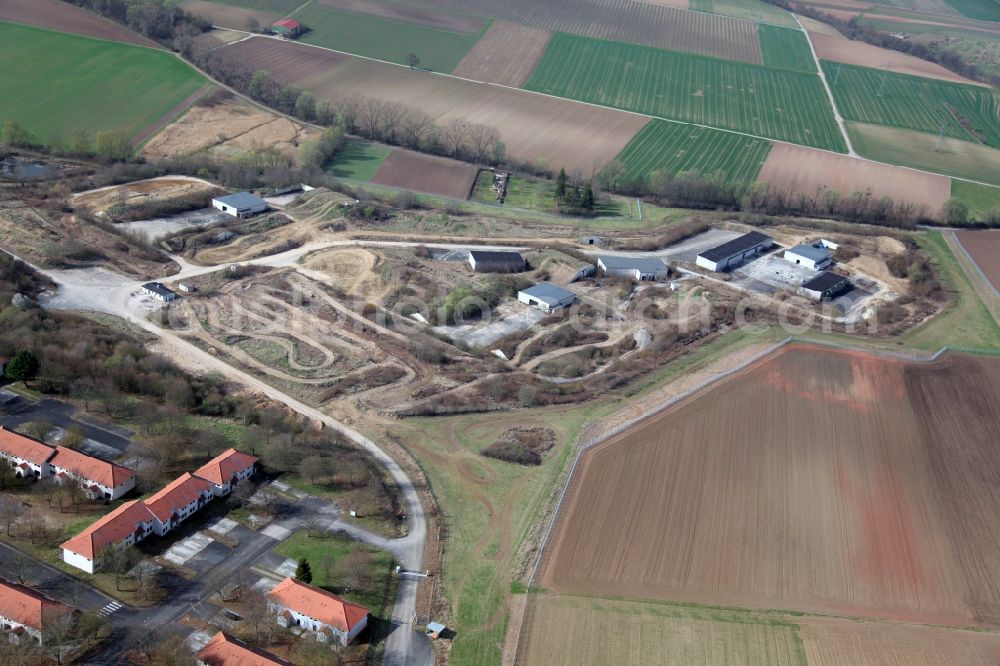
(53, 582)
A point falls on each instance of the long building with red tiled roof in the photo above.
(26, 611)
(315, 609)
(227, 469)
(224, 650)
(178, 500)
(99, 477)
(130, 523)
(28, 456)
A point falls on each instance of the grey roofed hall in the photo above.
(493, 255)
(643, 264)
(241, 200)
(736, 246)
(816, 254)
(548, 293)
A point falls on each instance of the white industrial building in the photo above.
(159, 292)
(547, 297)
(736, 252)
(636, 268)
(241, 204)
(815, 256)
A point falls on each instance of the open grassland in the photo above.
(228, 16)
(922, 150)
(786, 48)
(280, 7)
(899, 100)
(507, 54)
(815, 480)
(570, 630)
(646, 23)
(415, 16)
(384, 39)
(984, 248)
(674, 147)
(766, 102)
(979, 198)
(64, 17)
(533, 127)
(427, 173)
(981, 10)
(55, 84)
(358, 159)
(979, 46)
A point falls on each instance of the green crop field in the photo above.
(674, 147)
(771, 103)
(913, 102)
(393, 41)
(783, 48)
(55, 83)
(983, 10)
(358, 160)
(979, 198)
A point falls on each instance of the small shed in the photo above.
(288, 28)
(434, 629)
(496, 262)
(241, 204)
(547, 297)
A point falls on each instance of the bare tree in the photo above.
(481, 139)
(392, 117)
(21, 568)
(413, 125)
(347, 109)
(258, 619)
(142, 641)
(11, 508)
(118, 559)
(370, 115)
(454, 135)
(58, 632)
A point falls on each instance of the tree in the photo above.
(587, 199)
(11, 509)
(118, 559)
(303, 572)
(412, 60)
(22, 367)
(58, 631)
(956, 213)
(305, 106)
(252, 25)
(561, 185)
(16, 135)
(111, 146)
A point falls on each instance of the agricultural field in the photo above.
(533, 127)
(426, 173)
(899, 100)
(228, 16)
(981, 10)
(979, 198)
(675, 147)
(984, 248)
(112, 86)
(471, 25)
(765, 102)
(979, 46)
(358, 159)
(64, 17)
(651, 24)
(704, 502)
(785, 48)
(507, 54)
(753, 10)
(384, 39)
(922, 150)
(279, 7)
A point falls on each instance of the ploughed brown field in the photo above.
(226, 16)
(414, 15)
(426, 173)
(62, 16)
(562, 132)
(507, 54)
(799, 169)
(984, 248)
(815, 480)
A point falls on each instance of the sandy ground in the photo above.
(346, 268)
(427, 173)
(231, 127)
(563, 133)
(838, 49)
(62, 16)
(801, 169)
(142, 191)
(507, 54)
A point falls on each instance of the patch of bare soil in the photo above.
(142, 193)
(507, 54)
(230, 127)
(62, 16)
(427, 173)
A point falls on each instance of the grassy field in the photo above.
(534, 194)
(791, 106)
(979, 198)
(783, 48)
(981, 48)
(358, 160)
(382, 39)
(983, 10)
(912, 102)
(674, 147)
(921, 150)
(55, 84)
(281, 7)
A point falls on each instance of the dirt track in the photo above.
(814, 480)
(62, 16)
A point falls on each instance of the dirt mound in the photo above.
(524, 445)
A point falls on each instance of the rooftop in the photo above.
(112, 528)
(24, 447)
(224, 650)
(243, 200)
(158, 288)
(548, 293)
(823, 281)
(811, 252)
(27, 606)
(291, 24)
(735, 246)
(92, 469)
(490, 255)
(318, 604)
(220, 469)
(645, 264)
(176, 495)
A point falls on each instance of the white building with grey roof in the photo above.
(636, 268)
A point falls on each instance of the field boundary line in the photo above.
(826, 86)
(911, 356)
(965, 252)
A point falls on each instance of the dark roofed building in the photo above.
(483, 261)
(159, 292)
(735, 252)
(826, 285)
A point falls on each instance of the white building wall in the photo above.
(78, 561)
(705, 263)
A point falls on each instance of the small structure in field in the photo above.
(159, 292)
(636, 268)
(547, 297)
(825, 286)
(735, 252)
(814, 256)
(496, 262)
(499, 187)
(287, 28)
(241, 204)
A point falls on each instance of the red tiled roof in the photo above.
(224, 650)
(291, 24)
(26, 606)
(176, 495)
(225, 466)
(92, 469)
(318, 604)
(110, 529)
(16, 444)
